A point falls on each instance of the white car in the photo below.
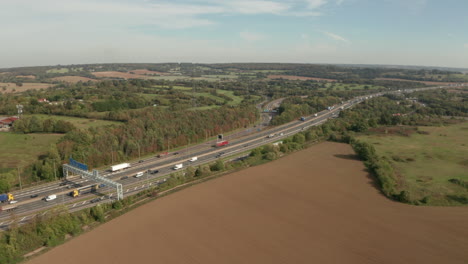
(51, 197)
(13, 202)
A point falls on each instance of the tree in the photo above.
(218, 166)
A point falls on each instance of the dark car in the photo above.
(62, 184)
(140, 161)
(33, 195)
(124, 178)
(176, 153)
(153, 171)
(95, 200)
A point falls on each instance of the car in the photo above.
(176, 153)
(62, 184)
(140, 161)
(33, 195)
(95, 200)
(13, 202)
(124, 178)
(153, 171)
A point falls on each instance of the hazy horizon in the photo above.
(385, 32)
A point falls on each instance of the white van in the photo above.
(178, 166)
(193, 159)
(51, 197)
(139, 174)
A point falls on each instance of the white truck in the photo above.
(178, 166)
(50, 198)
(139, 174)
(193, 159)
(120, 167)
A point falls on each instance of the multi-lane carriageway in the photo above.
(28, 207)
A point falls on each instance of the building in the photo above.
(8, 122)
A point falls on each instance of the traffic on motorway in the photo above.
(152, 171)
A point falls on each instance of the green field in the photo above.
(19, 150)
(426, 160)
(81, 123)
(188, 90)
(64, 70)
(58, 70)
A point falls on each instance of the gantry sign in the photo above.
(81, 169)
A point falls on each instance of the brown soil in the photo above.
(115, 74)
(72, 79)
(26, 76)
(315, 206)
(147, 72)
(301, 78)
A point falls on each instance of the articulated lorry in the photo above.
(8, 208)
(6, 197)
(120, 167)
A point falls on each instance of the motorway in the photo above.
(28, 207)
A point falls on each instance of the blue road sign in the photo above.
(78, 165)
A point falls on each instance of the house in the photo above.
(8, 122)
(42, 100)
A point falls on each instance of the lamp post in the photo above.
(19, 178)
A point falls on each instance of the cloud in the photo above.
(336, 37)
(313, 4)
(251, 36)
(258, 7)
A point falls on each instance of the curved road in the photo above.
(28, 207)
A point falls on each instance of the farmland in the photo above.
(72, 79)
(14, 88)
(301, 78)
(19, 150)
(427, 161)
(81, 123)
(318, 205)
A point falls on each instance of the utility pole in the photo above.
(55, 172)
(139, 156)
(19, 178)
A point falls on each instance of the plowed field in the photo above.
(315, 206)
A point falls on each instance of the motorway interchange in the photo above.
(31, 201)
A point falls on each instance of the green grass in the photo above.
(427, 162)
(19, 150)
(81, 123)
(235, 99)
(188, 90)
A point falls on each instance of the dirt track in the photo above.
(315, 206)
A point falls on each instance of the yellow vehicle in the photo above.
(74, 193)
(6, 197)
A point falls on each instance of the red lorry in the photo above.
(222, 143)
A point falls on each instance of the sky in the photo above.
(397, 32)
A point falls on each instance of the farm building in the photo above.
(8, 122)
